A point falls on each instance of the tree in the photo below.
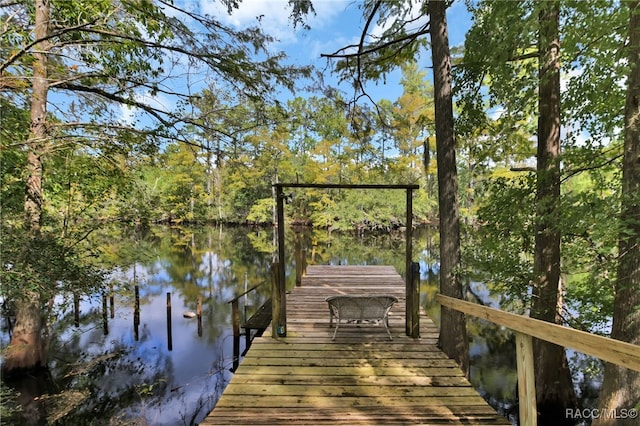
(453, 335)
(621, 386)
(100, 59)
(591, 111)
(554, 386)
(26, 349)
(412, 122)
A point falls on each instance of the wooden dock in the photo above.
(359, 378)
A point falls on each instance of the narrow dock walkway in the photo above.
(359, 378)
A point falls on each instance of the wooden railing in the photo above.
(236, 324)
(620, 353)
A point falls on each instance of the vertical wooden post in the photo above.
(415, 301)
(136, 313)
(408, 260)
(105, 319)
(526, 380)
(199, 315)
(304, 262)
(277, 303)
(235, 321)
(280, 307)
(169, 335)
(76, 310)
(314, 249)
(112, 304)
(298, 257)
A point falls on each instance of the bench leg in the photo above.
(385, 322)
(388, 332)
(336, 330)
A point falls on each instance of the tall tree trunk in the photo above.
(26, 350)
(453, 332)
(554, 386)
(621, 386)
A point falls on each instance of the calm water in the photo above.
(130, 361)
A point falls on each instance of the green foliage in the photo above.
(46, 264)
(399, 43)
(496, 88)
(12, 159)
(499, 247)
(115, 63)
(216, 155)
(498, 74)
(8, 403)
(262, 211)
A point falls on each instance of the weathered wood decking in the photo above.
(360, 378)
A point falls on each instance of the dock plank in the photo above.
(360, 378)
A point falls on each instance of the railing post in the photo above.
(298, 257)
(526, 380)
(304, 262)
(280, 320)
(413, 302)
(235, 321)
(409, 266)
(278, 316)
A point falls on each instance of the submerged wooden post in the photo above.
(136, 313)
(169, 335)
(105, 319)
(526, 380)
(112, 304)
(199, 315)
(76, 310)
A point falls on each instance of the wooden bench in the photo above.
(259, 321)
(359, 308)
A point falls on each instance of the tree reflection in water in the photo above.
(130, 376)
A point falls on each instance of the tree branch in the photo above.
(26, 48)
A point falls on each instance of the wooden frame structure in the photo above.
(279, 307)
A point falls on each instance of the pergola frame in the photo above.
(279, 306)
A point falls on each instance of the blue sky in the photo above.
(337, 23)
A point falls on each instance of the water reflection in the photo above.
(132, 359)
(128, 362)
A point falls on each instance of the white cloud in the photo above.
(414, 11)
(273, 16)
(128, 114)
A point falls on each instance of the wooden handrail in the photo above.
(235, 324)
(615, 351)
(235, 299)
